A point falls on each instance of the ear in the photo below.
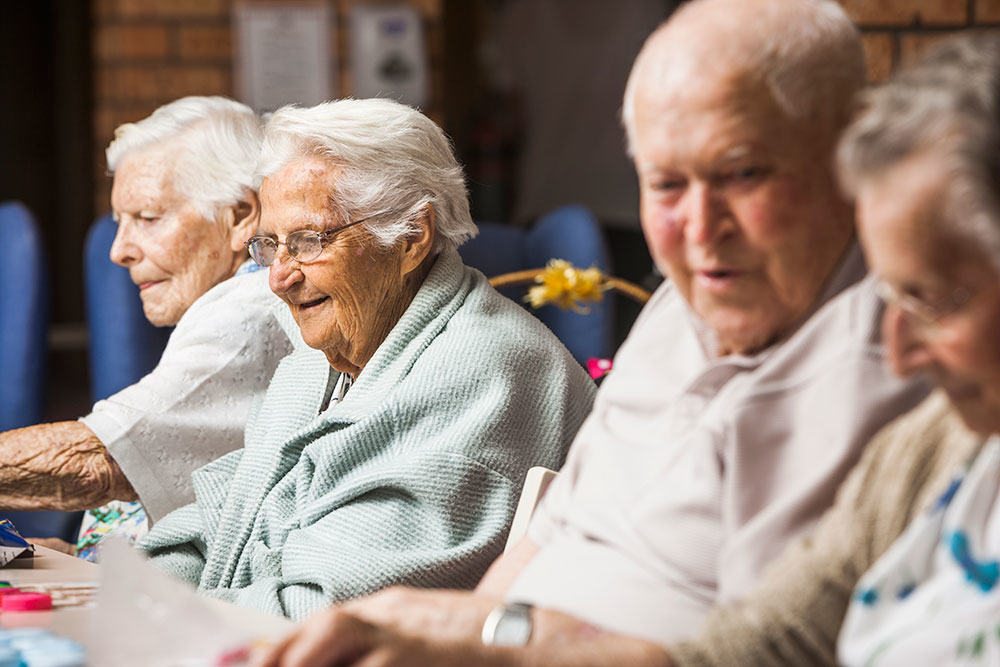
(417, 246)
(246, 216)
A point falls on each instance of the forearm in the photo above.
(60, 466)
(596, 652)
(560, 640)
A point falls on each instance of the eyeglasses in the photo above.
(304, 245)
(922, 314)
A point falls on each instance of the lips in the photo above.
(144, 285)
(718, 274)
(312, 303)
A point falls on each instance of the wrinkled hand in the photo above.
(337, 638)
(430, 614)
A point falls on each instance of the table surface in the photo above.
(52, 567)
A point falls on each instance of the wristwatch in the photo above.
(508, 625)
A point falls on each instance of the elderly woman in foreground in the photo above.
(185, 204)
(391, 448)
(910, 552)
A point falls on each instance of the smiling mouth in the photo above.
(719, 274)
(306, 305)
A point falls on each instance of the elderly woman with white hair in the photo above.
(391, 447)
(185, 203)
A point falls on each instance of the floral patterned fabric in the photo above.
(119, 518)
(934, 596)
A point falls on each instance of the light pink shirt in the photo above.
(693, 472)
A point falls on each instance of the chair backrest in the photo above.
(24, 308)
(569, 233)
(124, 346)
(24, 319)
(536, 483)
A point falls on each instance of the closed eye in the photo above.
(668, 185)
(743, 175)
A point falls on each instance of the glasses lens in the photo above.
(262, 250)
(304, 245)
(923, 317)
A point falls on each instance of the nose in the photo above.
(284, 273)
(124, 250)
(705, 214)
(907, 350)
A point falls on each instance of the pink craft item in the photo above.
(8, 591)
(598, 367)
(26, 602)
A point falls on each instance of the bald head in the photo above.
(733, 111)
(805, 55)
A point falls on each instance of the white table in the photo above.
(50, 566)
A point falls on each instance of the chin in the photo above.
(159, 317)
(315, 340)
(981, 421)
(742, 333)
(978, 415)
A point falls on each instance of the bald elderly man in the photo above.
(745, 393)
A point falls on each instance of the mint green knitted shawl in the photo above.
(411, 479)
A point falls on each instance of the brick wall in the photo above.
(897, 31)
(149, 52)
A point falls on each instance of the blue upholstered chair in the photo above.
(24, 319)
(569, 233)
(124, 346)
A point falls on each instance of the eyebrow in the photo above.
(713, 161)
(735, 153)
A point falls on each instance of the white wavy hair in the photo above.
(807, 52)
(946, 106)
(214, 142)
(393, 162)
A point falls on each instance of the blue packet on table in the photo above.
(12, 544)
(35, 647)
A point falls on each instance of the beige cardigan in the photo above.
(794, 616)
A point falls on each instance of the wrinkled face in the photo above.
(909, 244)
(344, 299)
(739, 207)
(172, 253)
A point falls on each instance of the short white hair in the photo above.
(214, 142)
(393, 162)
(808, 53)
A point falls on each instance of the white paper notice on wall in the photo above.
(284, 54)
(388, 54)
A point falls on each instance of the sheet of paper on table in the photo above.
(144, 617)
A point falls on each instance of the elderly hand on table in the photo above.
(342, 637)
(433, 614)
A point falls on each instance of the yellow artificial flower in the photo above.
(564, 285)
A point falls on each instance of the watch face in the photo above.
(509, 625)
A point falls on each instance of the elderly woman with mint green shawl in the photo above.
(391, 446)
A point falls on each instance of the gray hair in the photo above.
(214, 142)
(948, 106)
(807, 53)
(393, 163)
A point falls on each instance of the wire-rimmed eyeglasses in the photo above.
(926, 316)
(303, 245)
